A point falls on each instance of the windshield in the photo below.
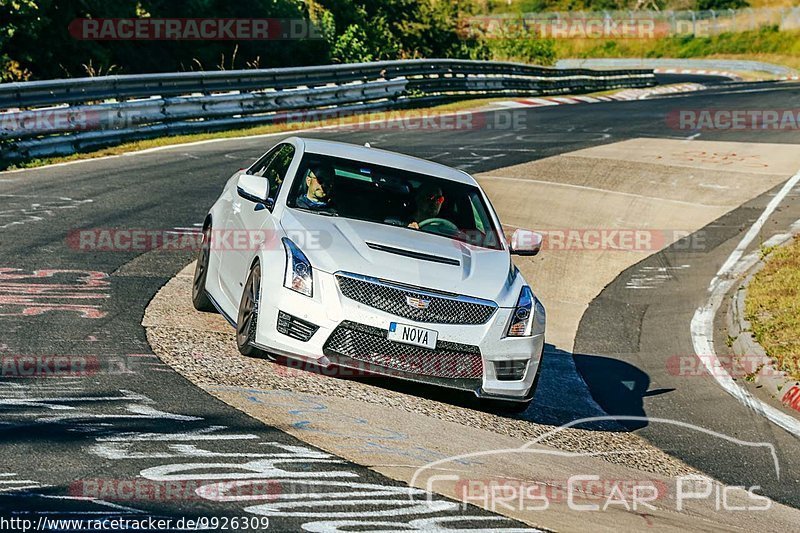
(330, 186)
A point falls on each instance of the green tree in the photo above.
(38, 40)
(36, 43)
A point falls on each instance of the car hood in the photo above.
(335, 244)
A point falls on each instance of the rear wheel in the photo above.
(200, 298)
(248, 314)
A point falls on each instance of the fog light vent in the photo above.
(295, 328)
(510, 370)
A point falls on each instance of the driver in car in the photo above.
(319, 184)
(429, 200)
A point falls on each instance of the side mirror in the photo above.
(526, 242)
(254, 189)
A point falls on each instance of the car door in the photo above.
(252, 223)
(224, 251)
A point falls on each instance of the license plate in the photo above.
(413, 335)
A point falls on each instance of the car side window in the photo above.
(277, 168)
(260, 166)
(274, 166)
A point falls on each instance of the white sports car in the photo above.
(352, 257)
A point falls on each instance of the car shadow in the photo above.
(618, 388)
(571, 387)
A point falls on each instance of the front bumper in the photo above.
(329, 310)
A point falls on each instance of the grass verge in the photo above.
(767, 44)
(773, 307)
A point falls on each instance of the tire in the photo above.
(247, 321)
(200, 298)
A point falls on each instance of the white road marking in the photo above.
(649, 277)
(702, 326)
(16, 485)
(23, 487)
(21, 209)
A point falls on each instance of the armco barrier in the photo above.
(57, 117)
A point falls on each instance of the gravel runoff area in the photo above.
(202, 348)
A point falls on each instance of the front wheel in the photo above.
(200, 298)
(248, 314)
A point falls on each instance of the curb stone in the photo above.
(736, 65)
(776, 382)
(620, 95)
(732, 75)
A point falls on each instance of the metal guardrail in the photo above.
(58, 117)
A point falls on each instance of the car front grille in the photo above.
(370, 345)
(421, 305)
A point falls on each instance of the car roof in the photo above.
(385, 158)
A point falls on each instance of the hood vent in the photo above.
(413, 254)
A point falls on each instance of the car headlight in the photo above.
(299, 274)
(522, 318)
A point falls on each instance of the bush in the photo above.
(526, 50)
(518, 42)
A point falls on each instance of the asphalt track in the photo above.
(60, 435)
(705, 79)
